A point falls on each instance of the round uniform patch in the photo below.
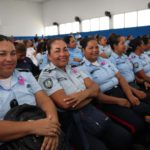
(136, 65)
(48, 83)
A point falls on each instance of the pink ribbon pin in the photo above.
(74, 70)
(21, 80)
(103, 63)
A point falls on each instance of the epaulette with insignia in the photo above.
(133, 56)
(47, 70)
(23, 70)
(142, 56)
(94, 71)
(81, 63)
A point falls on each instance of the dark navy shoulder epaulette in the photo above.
(23, 70)
(81, 63)
(47, 70)
(94, 71)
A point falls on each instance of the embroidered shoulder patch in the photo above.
(136, 65)
(48, 83)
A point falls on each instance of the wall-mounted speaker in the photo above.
(55, 23)
(148, 5)
(108, 14)
(76, 18)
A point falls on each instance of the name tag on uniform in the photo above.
(121, 62)
(94, 70)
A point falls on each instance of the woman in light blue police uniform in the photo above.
(104, 48)
(140, 61)
(75, 53)
(41, 56)
(125, 67)
(23, 87)
(117, 95)
(146, 40)
(73, 90)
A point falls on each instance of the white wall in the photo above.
(25, 18)
(20, 18)
(63, 11)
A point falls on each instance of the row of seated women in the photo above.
(98, 107)
(124, 95)
(74, 89)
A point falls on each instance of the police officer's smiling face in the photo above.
(59, 54)
(91, 51)
(8, 59)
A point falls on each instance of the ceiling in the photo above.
(34, 0)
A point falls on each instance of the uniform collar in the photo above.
(71, 49)
(143, 54)
(133, 55)
(102, 45)
(52, 66)
(87, 62)
(115, 55)
(14, 79)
